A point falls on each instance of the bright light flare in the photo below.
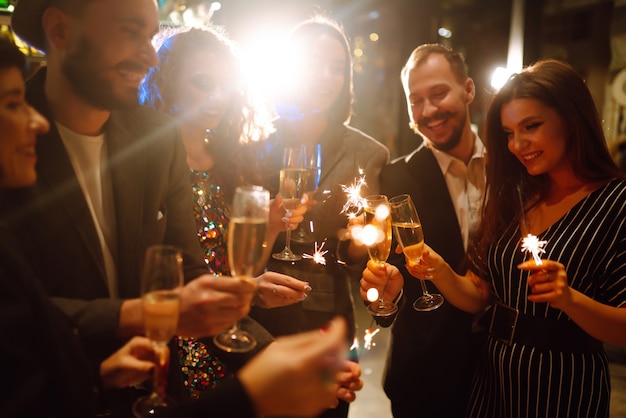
(372, 294)
(264, 59)
(499, 77)
(368, 338)
(318, 254)
(370, 235)
(355, 202)
(532, 244)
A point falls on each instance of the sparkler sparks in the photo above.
(355, 203)
(318, 255)
(368, 338)
(532, 244)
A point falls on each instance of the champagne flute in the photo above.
(161, 281)
(246, 243)
(294, 183)
(313, 163)
(376, 235)
(408, 230)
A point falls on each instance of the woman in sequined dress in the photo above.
(199, 82)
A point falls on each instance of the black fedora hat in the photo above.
(26, 22)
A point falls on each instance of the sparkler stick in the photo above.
(530, 243)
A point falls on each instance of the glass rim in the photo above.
(400, 198)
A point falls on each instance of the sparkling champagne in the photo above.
(160, 315)
(381, 247)
(245, 246)
(411, 239)
(294, 182)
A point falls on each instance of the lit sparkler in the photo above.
(318, 254)
(368, 338)
(355, 203)
(532, 244)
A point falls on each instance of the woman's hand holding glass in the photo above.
(161, 282)
(408, 230)
(247, 234)
(295, 183)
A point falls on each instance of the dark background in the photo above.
(575, 30)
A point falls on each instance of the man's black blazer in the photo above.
(427, 368)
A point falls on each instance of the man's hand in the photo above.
(211, 304)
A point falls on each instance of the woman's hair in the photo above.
(302, 37)
(509, 186)
(243, 121)
(10, 55)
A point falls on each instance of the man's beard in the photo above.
(455, 137)
(82, 69)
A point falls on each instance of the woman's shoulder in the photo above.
(361, 139)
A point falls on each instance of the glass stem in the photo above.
(382, 292)
(425, 290)
(288, 240)
(160, 372)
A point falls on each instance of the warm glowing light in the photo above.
(355, 203)
(368, 338)
(531, 244)
(499, 77)
(355, 344)
(318, 255)
(374, 37)
(372, 294)
(358, 52)
(444, 33)
(381, 213)
(369, 235)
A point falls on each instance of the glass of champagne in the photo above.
(313, 163)
(161, 282)
(408, 230)
(294, 183)
(246, 243)
(376, 235)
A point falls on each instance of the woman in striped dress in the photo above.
(549, 174)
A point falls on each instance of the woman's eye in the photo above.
(201, 83)
(533, 125)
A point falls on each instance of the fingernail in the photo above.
(285, 219)
(430, 269)
(307, 288)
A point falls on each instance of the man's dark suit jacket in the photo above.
(427, 367)
(152, 197)
(43, 371)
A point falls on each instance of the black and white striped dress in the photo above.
(523, 381)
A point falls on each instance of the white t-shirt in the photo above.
(87, 154)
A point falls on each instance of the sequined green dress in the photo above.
(201, 369)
